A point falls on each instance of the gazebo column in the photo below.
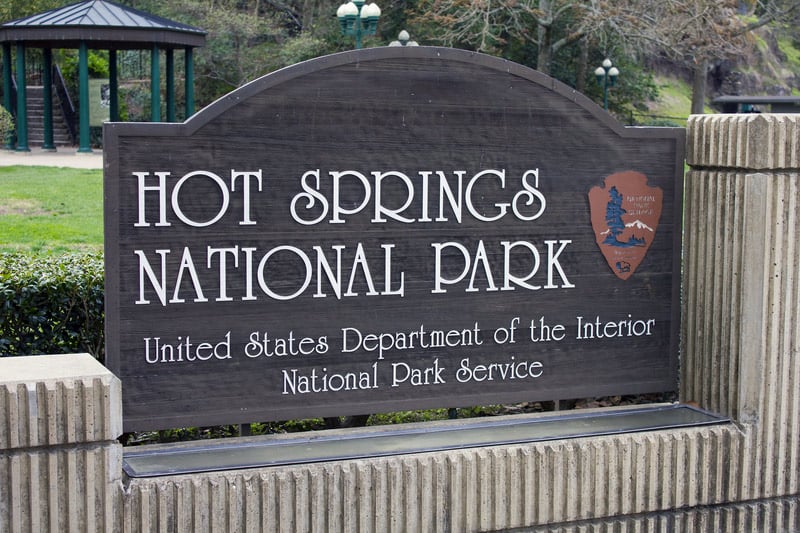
(113, 87)
(155, 85)
(83, 99)
(170, 85)
(189, 73)
(8, 84)
(22, 102)
(47, 98)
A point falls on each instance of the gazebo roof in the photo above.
(100, 24)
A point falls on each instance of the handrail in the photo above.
(13, 109)
(65, 101)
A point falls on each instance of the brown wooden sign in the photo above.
(389, 229)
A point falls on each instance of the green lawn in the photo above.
(50, 210)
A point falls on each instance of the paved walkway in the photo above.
(64, 157)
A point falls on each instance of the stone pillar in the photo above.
(60, 465)
(741, 316)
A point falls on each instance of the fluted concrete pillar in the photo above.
(741, 328)
(60, 465)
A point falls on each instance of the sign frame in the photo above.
(430, 84)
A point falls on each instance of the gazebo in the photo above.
(97, 25)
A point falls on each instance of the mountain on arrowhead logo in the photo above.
(625, 214)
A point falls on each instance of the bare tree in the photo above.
(693, 33)
(551, 25)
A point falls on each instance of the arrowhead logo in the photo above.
(625, 214)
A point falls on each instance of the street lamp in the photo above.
(358, 19)
(607, 77)
(403, 39)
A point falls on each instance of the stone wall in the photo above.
(60, 468)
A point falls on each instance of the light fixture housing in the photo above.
(613, 72)
(600, 73)
(347, 14)
(370, 14)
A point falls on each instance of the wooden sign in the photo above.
(389, 229)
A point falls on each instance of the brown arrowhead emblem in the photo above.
(625, 214)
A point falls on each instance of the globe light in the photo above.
(606, 75)
(403, 39)
(357, 19)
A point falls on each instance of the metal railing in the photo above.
(34, 76)
(67, 107)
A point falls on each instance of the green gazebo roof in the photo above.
(100, 24)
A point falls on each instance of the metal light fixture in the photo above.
(358, 19)
(607, 77)
(403, 39)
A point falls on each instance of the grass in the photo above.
(50, 210)
(792, 52)
(675, 97)
(674, 102)
(787, 46)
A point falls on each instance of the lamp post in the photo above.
(607, 77)
(358, 19)
(403, 39)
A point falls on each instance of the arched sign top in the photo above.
(374, 69)
(389, 229)
(437, 56)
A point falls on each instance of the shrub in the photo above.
(51, 304)
(6, 124)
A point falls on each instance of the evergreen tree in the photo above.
(614, 212)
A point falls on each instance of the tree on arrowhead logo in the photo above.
(625, 214)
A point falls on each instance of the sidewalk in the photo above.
(64, 157)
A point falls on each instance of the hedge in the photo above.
(51, 304)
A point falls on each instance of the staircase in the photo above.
(35, 99)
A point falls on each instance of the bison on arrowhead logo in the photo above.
(625, 214)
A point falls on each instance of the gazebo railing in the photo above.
(34, 74)
(67, 107)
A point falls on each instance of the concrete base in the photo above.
(482, 489)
